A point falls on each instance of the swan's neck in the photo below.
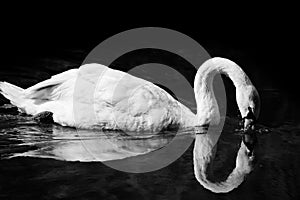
(207, 107)
(208, 113)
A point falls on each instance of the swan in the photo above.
(98, 97)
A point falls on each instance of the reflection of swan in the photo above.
(87, 146)
(132, 104)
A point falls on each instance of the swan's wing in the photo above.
(114, 96)
(133, 103)
(54, 88)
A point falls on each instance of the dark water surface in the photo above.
(47, 176)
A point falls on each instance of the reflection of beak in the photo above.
(250, 141)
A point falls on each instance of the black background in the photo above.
(261, 39)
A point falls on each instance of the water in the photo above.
(22, 136)
(33, 156)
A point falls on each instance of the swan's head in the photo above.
(249, 105)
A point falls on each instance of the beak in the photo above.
(248, 124)
(249, 120)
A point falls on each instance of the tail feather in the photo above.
(12, 93)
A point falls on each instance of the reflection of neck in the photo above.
(204, 151)
(207, 107)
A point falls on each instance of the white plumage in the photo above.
(97, 97)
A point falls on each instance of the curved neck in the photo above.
(207, 107)
(208, 113)
(204, 153)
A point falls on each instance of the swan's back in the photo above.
(123, 101)
(95, 96)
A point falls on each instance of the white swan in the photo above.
(95, 96)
